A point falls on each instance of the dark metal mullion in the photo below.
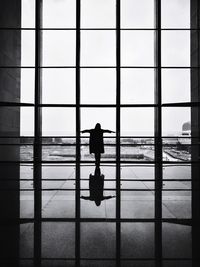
(118, 82)
(77, 233)
(96, 29)
(158, 140)
(37, 140)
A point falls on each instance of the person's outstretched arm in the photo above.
(108, 131)
(86, 131)
(108, 197)
(86, 198)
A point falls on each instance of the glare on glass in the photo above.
(175, 13)
(98, 86)
(58, 86)
(173, 119)
(137, 86)
(137, 13)
(137, 48)
(58, 121)
(175, 48)
(59, 48)
(175, 85)
(98, 13)
(59, 14)
(137, 121)
(98, 48)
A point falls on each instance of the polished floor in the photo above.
(98, 239)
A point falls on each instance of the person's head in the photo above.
(98, 126)
(98, 202)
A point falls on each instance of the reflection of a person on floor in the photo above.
(96, 141)
(96, 186)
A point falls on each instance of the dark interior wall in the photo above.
(195, 128)
(195, 97)
(10, 55)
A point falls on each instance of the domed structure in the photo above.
(186, 128)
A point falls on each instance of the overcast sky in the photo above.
(98, 49)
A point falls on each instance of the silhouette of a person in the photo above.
(96, 187)
(96, 141)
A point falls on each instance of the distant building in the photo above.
(186, 128)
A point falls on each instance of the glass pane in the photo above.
(137, 121)
(137, 86)
(58, 171)
(28, 13)
(177, 241)
(27, 84)
(137, 13)
(137, 236)
(26, 121)
(98, 13)
(58, 86)
(137, 48)
(98, 48)
(109, 148)
(177, 149)
(175, 13)
(26, 197)
(58, 121)
(176, 204)
(98, 86)
(104, 116)
(174, 125)
(59, 48)
(59, 14)
(175, 48)
(27, 48)
(58, 240)
(98, 240)
(137, 152)
(62, 152)
(177, 172)
(138, 171)
(176, 85)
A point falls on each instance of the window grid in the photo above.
(38, 219)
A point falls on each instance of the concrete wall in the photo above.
(10, 55)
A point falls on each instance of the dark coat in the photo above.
(96, 141)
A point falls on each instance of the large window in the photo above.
(127, 65)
